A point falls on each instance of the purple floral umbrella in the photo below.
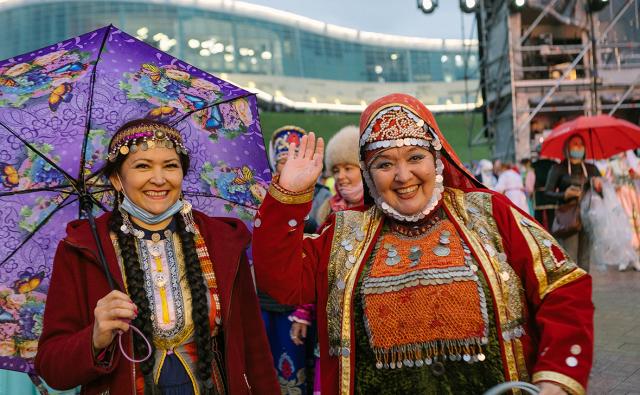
(59, 107)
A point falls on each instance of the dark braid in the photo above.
(199, 306)
(135, 288)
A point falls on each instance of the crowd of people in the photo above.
(412, 277)
(603, 195)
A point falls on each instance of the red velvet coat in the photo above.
(65, 357)
(558, 313)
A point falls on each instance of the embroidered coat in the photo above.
(65, 357)
(542, 300)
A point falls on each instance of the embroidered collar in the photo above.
(158, 235)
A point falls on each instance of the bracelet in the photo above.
(288, 197)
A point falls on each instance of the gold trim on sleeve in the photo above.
(292, 198)
(568, 383)
(550, 272)
(574, 275)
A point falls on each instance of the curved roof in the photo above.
(245, 9)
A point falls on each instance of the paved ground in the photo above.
(616, 296)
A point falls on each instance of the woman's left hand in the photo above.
(551, 389)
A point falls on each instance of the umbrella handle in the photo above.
(509, 385)
(132, 358)
(87, 207)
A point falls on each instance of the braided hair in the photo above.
(135, 280)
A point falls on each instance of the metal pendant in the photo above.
(441, 251)
(154, 251)
(392, 261)
(160, 279)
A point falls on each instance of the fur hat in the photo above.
(343, 147)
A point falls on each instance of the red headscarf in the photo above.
(455, 174)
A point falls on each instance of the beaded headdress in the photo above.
(280, 140)
(392, 126)
(144, 137)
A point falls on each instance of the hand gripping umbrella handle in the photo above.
(87, 207)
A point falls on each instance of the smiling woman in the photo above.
(183, 281)
(436, 285)
(404, 178)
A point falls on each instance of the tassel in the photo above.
(187, 216)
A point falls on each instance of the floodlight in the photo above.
(469, 6)
(427, 6)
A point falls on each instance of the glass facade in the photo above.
(221, 41)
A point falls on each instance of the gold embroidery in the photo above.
(286, 198)
(574, 275)
(521, 364)
(487, 228)
(551, 264)
(354, 232)
(456, 205)
(570, 384)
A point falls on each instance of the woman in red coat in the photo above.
(182, 279)
(439, 286)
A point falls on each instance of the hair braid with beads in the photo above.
(135, 288)
(199, 306)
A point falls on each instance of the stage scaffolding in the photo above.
(537, 68)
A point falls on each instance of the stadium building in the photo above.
(291, 61)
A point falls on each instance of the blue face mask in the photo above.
(145, 216)
(576, 153)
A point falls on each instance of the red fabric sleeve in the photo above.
(563, 317)
(65, 356)
(261, 374)
(287, 262)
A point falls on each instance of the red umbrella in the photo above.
(603, 135)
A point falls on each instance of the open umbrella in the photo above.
(59, 107)
(604, 136)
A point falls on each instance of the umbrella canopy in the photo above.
(603, 135)
(59, 107)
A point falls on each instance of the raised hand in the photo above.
(303, 168)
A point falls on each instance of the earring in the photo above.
(187, 216)
(127, 227)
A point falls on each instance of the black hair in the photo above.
(135, 283)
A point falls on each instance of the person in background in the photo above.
(544, 205)
(622, 172)
(529, 180)
(567, 182)
(510, 184)
(341, 160)
(289, 358)
(485, 173)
